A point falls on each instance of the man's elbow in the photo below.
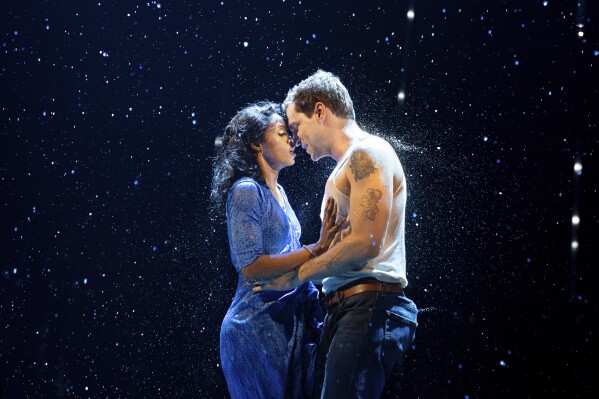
(374, 250)
(369, 248)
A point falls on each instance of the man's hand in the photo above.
(329, 227)
(286, 282)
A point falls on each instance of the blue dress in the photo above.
(268, 340)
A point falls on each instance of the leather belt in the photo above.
(378, 286)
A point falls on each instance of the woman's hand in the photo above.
(329, 228)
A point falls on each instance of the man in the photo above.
(369, 323)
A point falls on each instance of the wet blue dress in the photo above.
(268, 340)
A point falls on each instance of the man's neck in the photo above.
(346, 136)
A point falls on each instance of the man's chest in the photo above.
(341, 181)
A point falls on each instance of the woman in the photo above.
(268, 340)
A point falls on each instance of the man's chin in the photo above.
(314, 157)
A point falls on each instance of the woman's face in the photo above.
(277, 148)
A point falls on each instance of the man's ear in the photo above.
(320, 111)
(257, 147)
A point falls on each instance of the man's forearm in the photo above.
(348, 254)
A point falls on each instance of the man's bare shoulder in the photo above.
(376, 148)
(372, 155)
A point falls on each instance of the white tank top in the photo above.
(390, 264)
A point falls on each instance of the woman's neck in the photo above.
(270, 175)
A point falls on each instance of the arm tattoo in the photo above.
(369, 201)
(337, 259)
(362, 164)
(332, 262)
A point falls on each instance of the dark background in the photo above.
(113, 277)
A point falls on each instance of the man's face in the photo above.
(307, 132)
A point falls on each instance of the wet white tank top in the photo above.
(390, 264)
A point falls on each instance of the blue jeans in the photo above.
(365, 337)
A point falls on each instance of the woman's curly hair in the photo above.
(236, 159)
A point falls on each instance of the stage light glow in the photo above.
(574, 244)
(575, 220)
(411, 14)
(578, 167)
(401, 96)
(580, 33)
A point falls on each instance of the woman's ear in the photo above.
(256, 147)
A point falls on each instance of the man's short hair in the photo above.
(321, 87)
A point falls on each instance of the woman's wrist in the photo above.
(318, 249)
(314, 249)
(310, 250)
